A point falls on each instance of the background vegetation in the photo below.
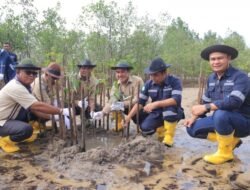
(107, 33)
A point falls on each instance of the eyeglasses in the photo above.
(33, 73)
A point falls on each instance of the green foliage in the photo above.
(107, 33)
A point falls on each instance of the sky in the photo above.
(220, 16)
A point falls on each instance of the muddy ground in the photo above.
(112, 162)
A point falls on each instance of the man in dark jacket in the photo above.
(228, 96)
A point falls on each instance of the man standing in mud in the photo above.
(164, 111)
(18, 105)
(228, 96)
(123, 91)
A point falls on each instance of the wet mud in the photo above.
(112, 162)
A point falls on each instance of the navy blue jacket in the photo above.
(7, 66)
(231, 92)
(170, 88)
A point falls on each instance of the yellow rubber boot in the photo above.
(8, 145)
(236, 142)
(212, 137)
(36, 127)
(224, 152)
(160, 133)
(169, 133)
(119, 126)
(32, 138)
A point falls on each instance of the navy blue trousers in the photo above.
(18, 129)
(223, 122)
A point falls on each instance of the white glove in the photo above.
(96, 115)
(67, 122)
(65, 112)
(55, 103)
(117, 106)
(85, 103)
(56, 117)
(1, 76)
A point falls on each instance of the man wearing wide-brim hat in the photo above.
(124, 90)
(89, 83)
(43, 91)
(227, 96)
(164, 111)
(17, 104)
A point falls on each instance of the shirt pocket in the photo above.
(211, 92)
(227, 89)
(153, 93)
(167, 92)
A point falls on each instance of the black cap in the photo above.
(122, 65)
(86, 63)
(219, 48)
(156, 65)
(27, 64)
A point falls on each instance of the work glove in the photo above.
(66, 120)
(85, 103)
(1, 76)
(65, 112)
(96, 115)
(117, 106)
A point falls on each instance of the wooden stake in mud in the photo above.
(201, 89)
(137, 113)
(129, 108)
(60, 104)
(74, 127)
(70, 106)
(83, 121)
(51, 96)
(108, 96)
(42, 99)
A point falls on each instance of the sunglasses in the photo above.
(33, 73)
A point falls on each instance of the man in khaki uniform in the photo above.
(48, 78)
(18, 104)
(51, 73)
(89, 84)
(124, 90)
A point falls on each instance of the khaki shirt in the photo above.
(13, 97)
(89, 89)
(43, 92)
(126, 91)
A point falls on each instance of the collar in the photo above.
(130, 80)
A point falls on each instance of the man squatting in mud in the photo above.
(124, 90)
(228, 96)
(164, 111)
(18, 106)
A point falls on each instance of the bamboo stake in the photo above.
(74, 118)
(70, 113)
(83, 119)
(137, 114)
(51, 96)
(61, 120)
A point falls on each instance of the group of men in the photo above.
(223, 116)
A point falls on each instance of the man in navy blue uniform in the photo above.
(228, 96)
(11, 71)
(164, 111)
(5, 67)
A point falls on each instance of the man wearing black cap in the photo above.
(16, 104)
(163, 113)
(124, 91)
(228, 96)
